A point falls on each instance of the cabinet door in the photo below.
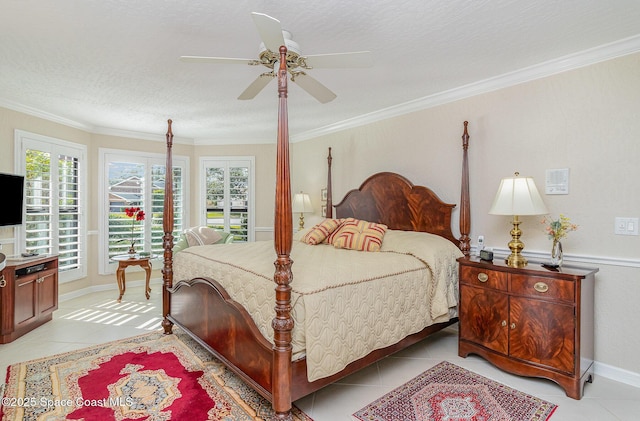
(47, 292)
(542, 332)
(483, 317)
(26, 301)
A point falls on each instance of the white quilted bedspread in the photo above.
(345, 303)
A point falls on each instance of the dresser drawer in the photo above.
(483, 277)
(543, 287)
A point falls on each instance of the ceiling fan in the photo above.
(273, 36)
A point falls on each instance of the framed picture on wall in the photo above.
(324, 211)
(323, 195)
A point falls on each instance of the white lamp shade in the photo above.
(518, 196)
(301, 203)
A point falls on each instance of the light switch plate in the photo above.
(626, 226)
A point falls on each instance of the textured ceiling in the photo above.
(112, 65)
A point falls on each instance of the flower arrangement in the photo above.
(136, 214)
(558, 228)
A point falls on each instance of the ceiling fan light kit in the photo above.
(273, 36)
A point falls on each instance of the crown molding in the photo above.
(584, 58)
(25, 109)
(140, 135)
(256, 141)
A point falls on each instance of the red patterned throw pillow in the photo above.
(320, 232)
(359, 235)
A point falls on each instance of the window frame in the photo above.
(26, 140)
(205, 162)
(148, 159)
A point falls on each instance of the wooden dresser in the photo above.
(531, 321)
(27, 299)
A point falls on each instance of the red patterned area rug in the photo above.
(151, 377)
(449, 392)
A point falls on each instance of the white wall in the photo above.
(587, 120)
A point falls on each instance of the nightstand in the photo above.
(529, 321)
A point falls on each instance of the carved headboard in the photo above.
(390, 199)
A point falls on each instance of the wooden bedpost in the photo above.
(329, 191)
(283, 237)
(167, 238)
(465, 207)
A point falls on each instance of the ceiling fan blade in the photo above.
(314, 88)
(256, 86)
(198, 59)
(340, 60)
(270, 31)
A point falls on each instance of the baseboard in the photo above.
(615, 373)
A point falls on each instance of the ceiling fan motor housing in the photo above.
(269, 57)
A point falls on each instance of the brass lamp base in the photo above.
(516, 260)
(301, 222)
(516, 246)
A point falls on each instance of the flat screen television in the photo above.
(12, 188)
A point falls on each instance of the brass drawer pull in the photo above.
(541, 287)
(513, 326)
(504, 323)
(3, 282)
(483, 277)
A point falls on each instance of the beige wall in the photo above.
(587, 120)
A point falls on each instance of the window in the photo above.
(54, 201)
(228, 199)
(137, 180)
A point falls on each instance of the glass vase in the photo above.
(556, 253)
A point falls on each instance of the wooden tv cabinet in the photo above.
(27, 300)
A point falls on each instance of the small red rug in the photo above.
(151, 377)
(449, 392)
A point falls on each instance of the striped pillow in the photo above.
(330, 239)
(320, 232)
(360, 235)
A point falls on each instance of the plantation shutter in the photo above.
(228, 198)
(137, 181)
(68, 213)
(54, 201)
(157, 205)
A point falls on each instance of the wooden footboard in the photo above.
(205, 311)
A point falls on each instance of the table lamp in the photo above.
(301, 204)
(517, 196)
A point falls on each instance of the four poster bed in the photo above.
(331, 319)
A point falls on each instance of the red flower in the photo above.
(136, 213)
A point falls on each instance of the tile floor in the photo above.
(97, 318)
